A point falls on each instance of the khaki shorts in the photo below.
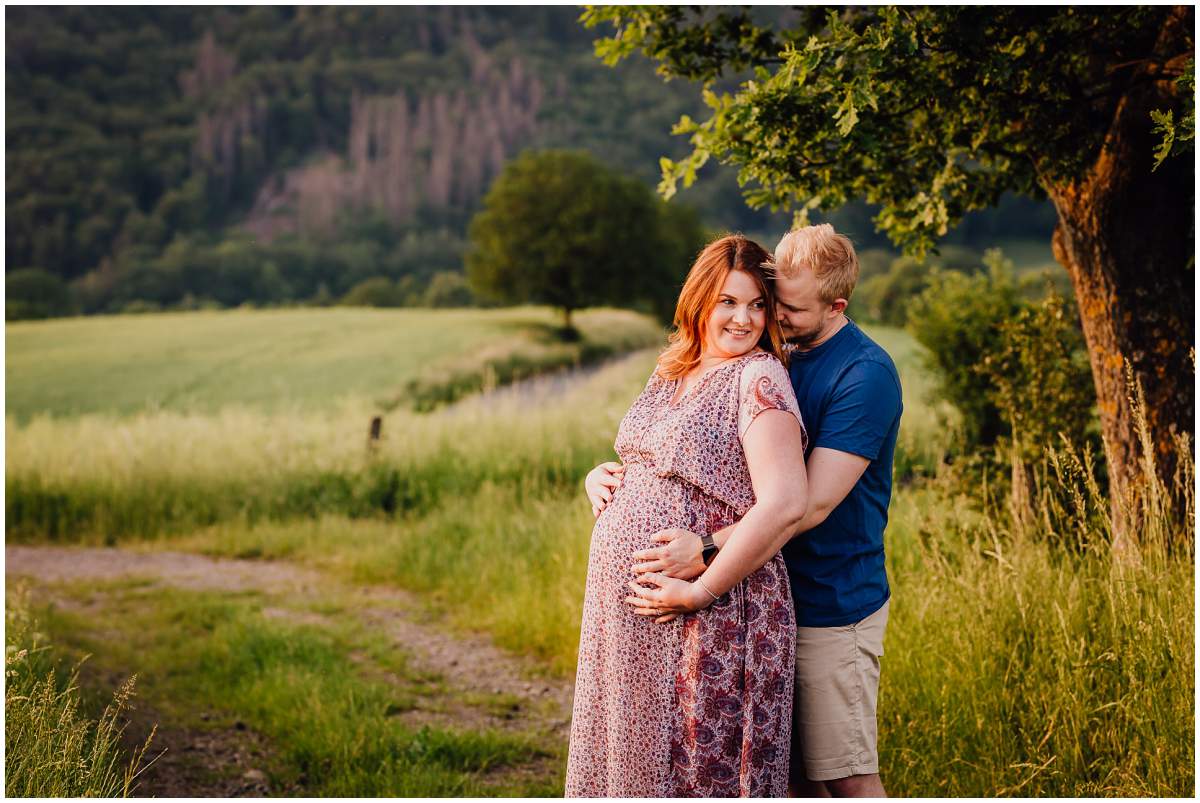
(837, 688)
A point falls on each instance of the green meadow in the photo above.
(287, 359)
(1011, 668)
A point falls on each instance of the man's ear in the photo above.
(839, 305)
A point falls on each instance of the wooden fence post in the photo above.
(375, 433)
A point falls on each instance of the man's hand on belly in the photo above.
(680, 555)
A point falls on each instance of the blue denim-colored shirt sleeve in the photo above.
(862, 411)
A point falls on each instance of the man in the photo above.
(850, 400)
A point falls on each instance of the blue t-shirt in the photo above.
(849, 395)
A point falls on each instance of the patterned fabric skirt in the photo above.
(700, 706)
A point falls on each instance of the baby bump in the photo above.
(644, 504)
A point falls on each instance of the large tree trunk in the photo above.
(1126, 237)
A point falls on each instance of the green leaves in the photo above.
(1164, 126)
(929, 112)
(631, 29)
(847, 114)
(1177, 138)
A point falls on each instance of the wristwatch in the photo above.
(710, 548)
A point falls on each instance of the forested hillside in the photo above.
(181, 156)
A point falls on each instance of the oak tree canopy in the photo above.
(932, 112)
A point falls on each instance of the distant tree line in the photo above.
(143, 142)
(174, 156)
(238, 268)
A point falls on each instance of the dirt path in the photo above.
(468, 665)
(542, 388)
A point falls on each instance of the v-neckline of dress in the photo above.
(674, 403)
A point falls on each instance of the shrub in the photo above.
(959, 320)
(139, 306)
(885, 298)
(1016, 369)
(885, 295)
(192, 302)
(322, 297)
(374, 292)
(873, 262)
(35, 293)
(448, 289)
(1041, 380)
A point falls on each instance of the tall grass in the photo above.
(1035, 663)
(162, 473)
(96, 477)
(51, 748)
(1011, 669)
(1013, 666)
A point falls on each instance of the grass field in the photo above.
(281, 360)
(1012, 668)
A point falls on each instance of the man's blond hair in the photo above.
(829, 255)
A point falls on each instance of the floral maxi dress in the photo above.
(699, 706)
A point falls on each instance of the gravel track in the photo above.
(468, 664)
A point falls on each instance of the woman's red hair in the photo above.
(699, 295)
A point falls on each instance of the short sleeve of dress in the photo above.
(765, 385)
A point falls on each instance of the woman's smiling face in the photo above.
(737, 319)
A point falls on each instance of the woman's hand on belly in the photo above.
(601, 483)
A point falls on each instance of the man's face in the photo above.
(803, 316)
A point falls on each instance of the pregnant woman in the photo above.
(685, 688)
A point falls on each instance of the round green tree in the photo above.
(559, 228)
